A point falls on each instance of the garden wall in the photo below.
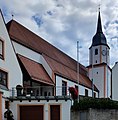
(95, 114)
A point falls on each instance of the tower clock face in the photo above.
(104, 52)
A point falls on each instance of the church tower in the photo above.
(99, 60)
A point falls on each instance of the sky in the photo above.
(64, 22)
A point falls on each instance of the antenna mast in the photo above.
(78, 67)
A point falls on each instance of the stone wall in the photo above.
(95, 114)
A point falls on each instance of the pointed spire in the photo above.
(99, 25)
(99, 38)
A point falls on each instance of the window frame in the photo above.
(86, 93)
(2, 53)
(64, 88)
(94, 95)
(2, 73)
(96, 51)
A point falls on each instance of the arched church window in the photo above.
(96, 51)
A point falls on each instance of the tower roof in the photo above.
(99, 38)
(99, 25)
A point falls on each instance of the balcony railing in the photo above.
(39, 91)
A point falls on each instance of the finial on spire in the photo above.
(12, 16)
(99, 25)
(99, 7)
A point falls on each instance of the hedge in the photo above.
(101, 103)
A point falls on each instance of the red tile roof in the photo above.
(59, 61)
(27, 38)
(35, 70)
(68, 73)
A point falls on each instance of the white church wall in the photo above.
(105, 58)
(115, 82)
(20, 49)
(59, 85)
(82, 91)
(71, 84)
(108, 83)
(94, 59)
(46, 66)
(98, 78)
(99, 58)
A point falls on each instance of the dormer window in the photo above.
(96, 51)
(1, 49)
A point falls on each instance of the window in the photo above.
(108, 52)
(86, 92)
(1, 49)
(3, 78)
(64, 88)
(45, 93)
(6, 104)
(96, 51)
(94, 95)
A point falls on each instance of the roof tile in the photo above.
(35, 70)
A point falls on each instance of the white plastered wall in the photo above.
(65, 107)
(71, 84)
(115, 82)
(100, 79)
(10, 63)
(100, 58)
(46, 66)
(20, 49)
(92, 57)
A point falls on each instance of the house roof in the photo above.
(59, 61)
(35, 70)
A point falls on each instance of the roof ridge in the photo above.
(38, 37)
(64, 64)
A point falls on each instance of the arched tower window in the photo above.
(96, 51)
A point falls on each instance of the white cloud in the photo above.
(63, 22)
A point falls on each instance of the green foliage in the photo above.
(101, 103)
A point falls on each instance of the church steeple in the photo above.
(99, 60)
(99, 25)
(99, 38)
